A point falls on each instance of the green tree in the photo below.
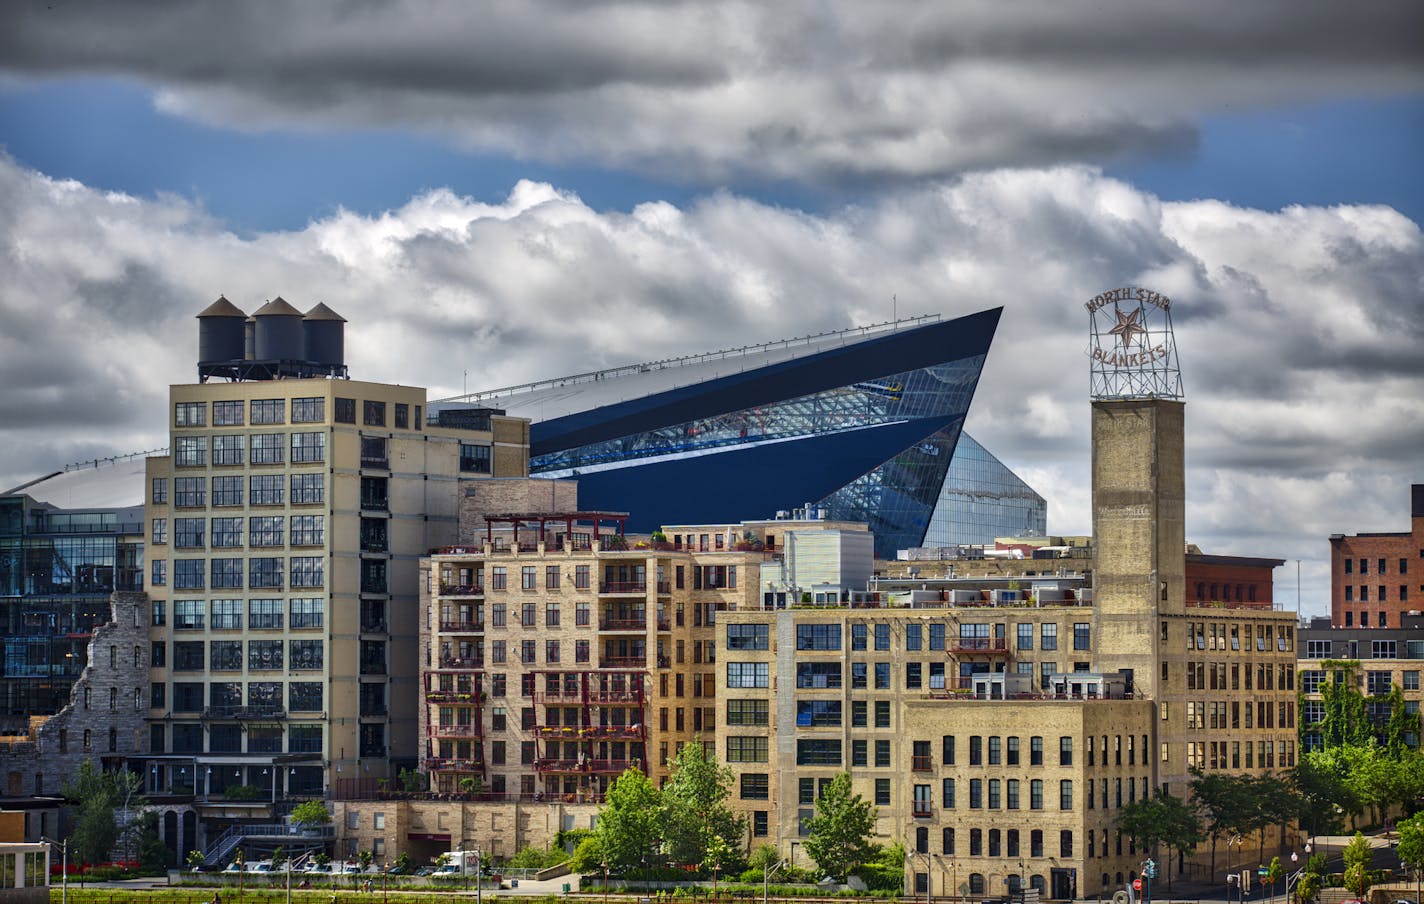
(1219, 798)
(1306, 888)
(1358, 857)
(839, 834)
(1411, 841)
(310, 813)
(1324, 799)
(1162, 820)
(628, 826)
(195, 859)
(97, 795)
(1274, 872)
(764, 857)
(697, 825)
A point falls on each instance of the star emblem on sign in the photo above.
(1128, 328)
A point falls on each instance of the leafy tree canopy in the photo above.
(840, 832)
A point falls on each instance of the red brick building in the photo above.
(1232, 582)
(1376, 578)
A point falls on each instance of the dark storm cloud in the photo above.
(845, 93)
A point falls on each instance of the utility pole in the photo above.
(63, 867)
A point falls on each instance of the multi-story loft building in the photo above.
(1371, 580)
(953, 707)
(67, 541)
(864, 424)
(284, 531)
(554, 660)
(1380, 659)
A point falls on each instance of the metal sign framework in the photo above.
(1131, 347)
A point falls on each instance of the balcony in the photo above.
(256, 713)
(457, 731)
(639, 623)
(575, 767)
(990, 646)
(459, 625)
(441, 696)
(664, 624)
(379, 462)
(921, 764)
(375, 503)
(463, 663)
(665, 587)
(443, 764)
(922, 809)
(476, 589)
(635, 696)
(373, 626)
(622, 662)
(614, 587)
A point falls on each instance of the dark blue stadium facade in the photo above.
(864, 430)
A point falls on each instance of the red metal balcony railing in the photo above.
(635, 696)
(980, 645)
(456, 730)
(439, 696)
(921, 764)
(922, 809)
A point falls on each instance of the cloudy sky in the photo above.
(542, 188)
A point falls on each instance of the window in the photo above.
(188, 615)
(947, 750)
(528, 581)
(1035, 751)
(227, 615)
(226, 574)
(190, 451)
(266, 530)
(882, 792)
(307, 571)
(1035, 794)
(857, 636)
(265, 489)
(914, 636)
(818, 637)
(268, 411)
(308, 489)
(748, 637)
(747, 712)
(160, 530)
(882, 713)
(476, 458)
(1025, 637)
(190, 414)
(264, 654)
(159, 490)
(976, 793)
(1065, 751)
(190, 492)
(747, 674)
(1048, 637)
(818, 675)
(1065, 795)
(373, 414)
(755, 786)
(815, 751)
(188, 574)
(305, 654)
(1082, 636)
(308, 447)
(345, 411)
(264, 615)
(308, 530)
(947, 793)
(744, 749)
(266, 448)
(311, 410)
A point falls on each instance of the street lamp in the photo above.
(911, 848)
(63, 867)
(766, 879)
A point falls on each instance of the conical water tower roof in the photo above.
(322, 312)
(222, 308)
(277, 307)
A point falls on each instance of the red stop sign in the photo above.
(1137, 885)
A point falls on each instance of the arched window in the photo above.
(1038, 884)
(947, 842)
(922, 840)
(86, 702)
(976, 883)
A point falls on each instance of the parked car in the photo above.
(424, 871)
